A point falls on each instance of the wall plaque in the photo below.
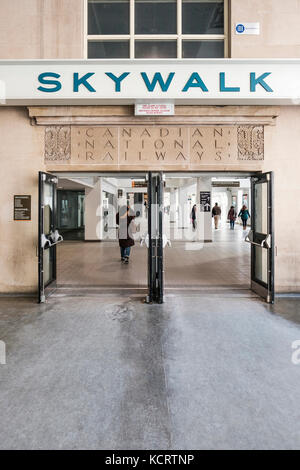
(22, 207)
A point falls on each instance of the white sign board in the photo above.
(247, 28)
(154, 109)
(128, 82)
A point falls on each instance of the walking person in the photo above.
(244, 215)
(125, 221)
(216, 214)
(194, 216)
(231, 216)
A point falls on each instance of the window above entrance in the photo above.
(143, 29)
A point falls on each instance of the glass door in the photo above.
(48, 235)
(261, 236)
(155, 234)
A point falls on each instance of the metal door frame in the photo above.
(155, 247)
(265, 290)
(44, 242)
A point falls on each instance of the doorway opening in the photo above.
(90, 255)
(207, 252)
(182, 235)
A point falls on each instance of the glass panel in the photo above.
(202, 49)
(48, 207)
(108, 17)
(70, 214)
(261, 208)
(47, 266)
(155, 49)
(108, 49)
(155, 17)
(202, 16)
(261, 264)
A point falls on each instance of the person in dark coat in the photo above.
(194, 216)
(124, 220)
(232, 216)
(216, 214)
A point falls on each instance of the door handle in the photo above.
(54, 239)
(265, 243)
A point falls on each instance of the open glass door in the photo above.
(261, 237)
(155, 234)
(48, 235)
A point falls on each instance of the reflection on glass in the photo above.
(203, 16)
(47, 266)
(48, 207)
(108, 49)
(261, 208)
(70, 214)
(155, 17)
(202, 49)
(261, 264)
(108, 17)
(155, 49)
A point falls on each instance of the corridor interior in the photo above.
(199, 256)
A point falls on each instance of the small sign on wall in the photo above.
(247, 28)
(154, 109)
(204, 201)
(22, 207)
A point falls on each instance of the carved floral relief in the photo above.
(58, 143)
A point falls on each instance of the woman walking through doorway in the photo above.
(124, 220)
(244, 215)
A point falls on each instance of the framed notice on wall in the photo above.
(205, 201)
(22, 207)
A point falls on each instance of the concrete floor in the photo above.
(225, 262)
(209, 371)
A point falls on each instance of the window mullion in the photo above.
(132, 30)
(179, 29)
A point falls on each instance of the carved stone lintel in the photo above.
(246, 143)
(250, 141)
(57, 143)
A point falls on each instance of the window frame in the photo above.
(132, 37)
